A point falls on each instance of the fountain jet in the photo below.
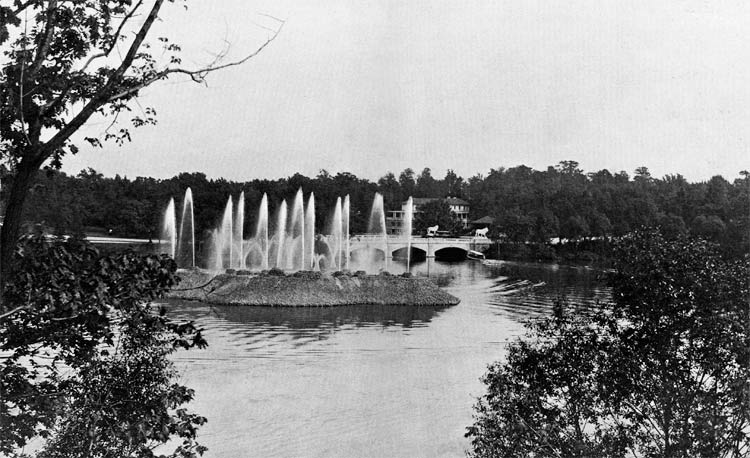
(169, 229)
(310, 229)
(224, 237)
(408, 221)
(280, 235)
(237, 233)
(345, 228)
(261, 231)
(336, 232)
(298, 226)
(186, 240)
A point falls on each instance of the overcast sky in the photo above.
(371, 86)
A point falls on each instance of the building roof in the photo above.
(455, 201)
(484, 220)
(450, 200)
(422, 200)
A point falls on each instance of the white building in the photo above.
(395, 219)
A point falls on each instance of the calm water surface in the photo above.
(365, 381)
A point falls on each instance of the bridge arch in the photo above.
(450, 253)
(417, 254)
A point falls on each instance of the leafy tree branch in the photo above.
(59, 72)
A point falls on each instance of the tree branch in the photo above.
(119, 29)
(103, 96)
(43, 46)
(198, 75)
(23, 6)
(105, 53)
(14, 311)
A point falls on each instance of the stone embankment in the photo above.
(308, 289)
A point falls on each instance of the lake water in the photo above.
(365, 381)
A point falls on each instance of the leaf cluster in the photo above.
(67, 56)
(85, 353)
(663, 370)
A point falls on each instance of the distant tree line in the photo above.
(527, 205)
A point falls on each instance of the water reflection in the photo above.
(299, 323)
(365, 380)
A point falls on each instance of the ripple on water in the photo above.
(365, 380)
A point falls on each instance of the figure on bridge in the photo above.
(432, 231)
(481, 233)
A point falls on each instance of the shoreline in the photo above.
(307, 289)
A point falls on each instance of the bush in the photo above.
(109, 389)
(663, 370)
(276, 272)
(308, 274)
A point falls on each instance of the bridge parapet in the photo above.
(428, 244)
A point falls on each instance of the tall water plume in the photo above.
(237, 233)
(169, 228)
(186, 240)
(280, 234)
(345, 228)
(216, 261)
(298, 226)
(310, 230)
(376, 225)
(261, 231)
(224, 237)
(408, 220)
(336, 232)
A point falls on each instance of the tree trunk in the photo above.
(25, 173)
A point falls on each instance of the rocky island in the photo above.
(307, 289)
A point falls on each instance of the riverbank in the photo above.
(308, 289)
(583, 252)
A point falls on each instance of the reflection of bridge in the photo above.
(429, 245)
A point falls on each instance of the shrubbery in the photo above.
(84, 366)
(663, 370)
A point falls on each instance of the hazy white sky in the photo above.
(370, 86)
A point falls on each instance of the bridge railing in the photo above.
(418, 239)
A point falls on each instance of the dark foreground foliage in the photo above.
(662, 371)
(84, 368)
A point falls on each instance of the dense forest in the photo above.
(527, 205)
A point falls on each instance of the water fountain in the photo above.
(261, 232)
(293, 245)
(186, 239)
(310, 232)
(337, 233)
(298, 227)
(237, 233)
(345, 230)
(376, 226)
(408, 221)
(280, 237)
(222, 240)
(169, 228)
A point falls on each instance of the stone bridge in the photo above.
(429, 245)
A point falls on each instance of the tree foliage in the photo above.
(663, 370)
(65, 62)
(85, 363)
(436, 213)
(526, 204)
